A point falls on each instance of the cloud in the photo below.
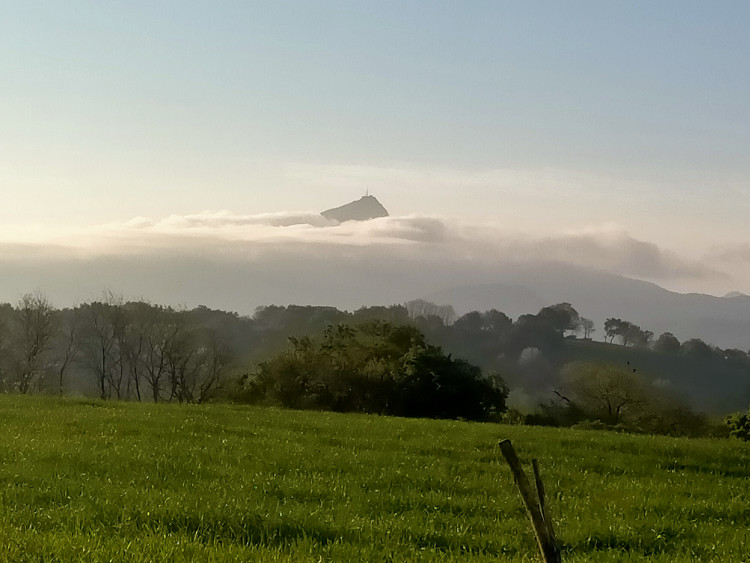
(607, 247)
(730, 253)
(225, 219)
(619, 253)
(229, 260)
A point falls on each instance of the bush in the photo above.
(376, 367)
(739, 425)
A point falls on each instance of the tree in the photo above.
(163, 348)
(697, 349)
(739, 425)
(376, 367)
(69, 345)
(212, 360)
(141, 317)
(103, 323)
(629, 333)
(529, 331)
(122, 344)
(170, 355)
(737, 357)
(36, 324)
(469, 322)
(587, 326)
(6, 320)
(420, 308)
(118, 375)
(617, 396)
(396, 314)
(639, 337)
(612, 327)
(667, 342)
(492, 323)
(604, 392)
(562, 317)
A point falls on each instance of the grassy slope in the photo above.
(99, 482)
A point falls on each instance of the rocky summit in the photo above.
(365, 208)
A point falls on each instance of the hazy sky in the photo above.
(541, 122)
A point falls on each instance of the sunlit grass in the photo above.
(86, 480)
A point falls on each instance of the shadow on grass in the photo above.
(246, 530)
(713, 469)
(259, 531)
(660, 543)
(439, 542)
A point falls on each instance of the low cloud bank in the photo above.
(241, 261)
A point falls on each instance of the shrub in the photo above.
(376, 367)
(739, 425)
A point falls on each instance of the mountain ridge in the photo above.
(598, 295)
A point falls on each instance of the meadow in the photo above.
(88, 480)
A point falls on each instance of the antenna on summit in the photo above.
(367, 192)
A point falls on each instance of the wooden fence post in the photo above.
(536, 506)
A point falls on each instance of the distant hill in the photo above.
(527, 287)
(365, 208)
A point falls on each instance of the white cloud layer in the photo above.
(211, 257)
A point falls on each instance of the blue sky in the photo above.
(540, 118)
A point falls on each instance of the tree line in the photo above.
(108, 347)
(322, 357)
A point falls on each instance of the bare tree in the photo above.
(118, 374)
(7, 314)
(161, 356)
(142, 317)
(102, 334)
(215, 359)
(182, 358)
(70, 343)
(201, 368)
(36, 325)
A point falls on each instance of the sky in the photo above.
(609, 134)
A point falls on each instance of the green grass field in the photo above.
(94, 481)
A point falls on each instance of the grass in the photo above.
(94, 481)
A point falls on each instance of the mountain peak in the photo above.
(363, 209)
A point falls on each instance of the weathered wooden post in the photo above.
(536, 506)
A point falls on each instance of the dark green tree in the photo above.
(739, 425)
(697, 349)
(630, 334)
(667, 342)
(562, 317)
(376, 367)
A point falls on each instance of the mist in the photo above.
(239, 262)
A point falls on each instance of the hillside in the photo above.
(524, 287)
(714, 386)
(118, 481)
